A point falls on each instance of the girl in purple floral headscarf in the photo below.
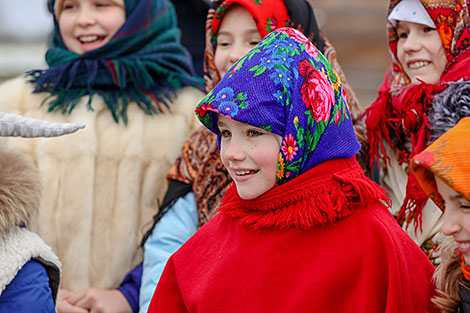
(286, 137)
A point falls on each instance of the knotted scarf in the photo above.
(199, 164)
(399, 114)
(144, 62)
(286, 86)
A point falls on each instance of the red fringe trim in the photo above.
(403, 115)
(377, 117)
(313, 200)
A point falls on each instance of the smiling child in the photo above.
(301, 229)
(198, 179)
(429, 46)
(443, 170)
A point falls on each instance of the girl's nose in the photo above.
(411, 43)
(85, 17)
(234, 151)
(450, 224)
(237, 52)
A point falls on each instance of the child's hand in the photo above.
(63, 304)
(100, 301)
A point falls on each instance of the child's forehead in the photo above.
(408, 24)
(59, 4)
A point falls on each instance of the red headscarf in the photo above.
(399, 112)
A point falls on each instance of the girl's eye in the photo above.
(428, 29)
(254, 42)
(465, 205)
(102, 4)
(254, 133)
(68, 6)
(402, 35)
(225, 133)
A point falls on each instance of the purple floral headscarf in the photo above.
(284, 85)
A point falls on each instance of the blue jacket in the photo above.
(28, 292)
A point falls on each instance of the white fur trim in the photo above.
(16, 249)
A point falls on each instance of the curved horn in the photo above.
(14, 125)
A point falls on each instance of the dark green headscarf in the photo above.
(144, 62)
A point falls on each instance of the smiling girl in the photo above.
(443, 170)
(118, 67)
(198, 179)
(429, 45)
(86, 25)
(301, 229)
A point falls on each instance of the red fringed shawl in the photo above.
(322, 242)
(317, 197)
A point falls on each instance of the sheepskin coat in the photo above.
(19, 203)
(101, 185)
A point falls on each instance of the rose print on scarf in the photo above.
(289, 147)
(316, 90)
(308, 46)
(203, 109)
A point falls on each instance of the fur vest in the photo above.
(19, 202)
(102, 185)
(20, 246)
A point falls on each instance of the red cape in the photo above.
(363, 262)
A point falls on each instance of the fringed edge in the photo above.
(132, 80)
(376, 117)
(320, 202)
(412, 207)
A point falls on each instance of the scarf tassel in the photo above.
(376, 125)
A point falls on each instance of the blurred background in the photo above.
(355, 27)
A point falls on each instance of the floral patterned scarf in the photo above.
(284, 85)
(400, 112)
(199, 164)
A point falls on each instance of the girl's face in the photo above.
(250, 155)
(237, 35)
(456, 217)
(420, 52)
(87, 25)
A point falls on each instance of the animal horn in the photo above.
(16, 125)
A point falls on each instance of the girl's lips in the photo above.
(464, 247)
(243, 175)
(91, 42)
(417, 64)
